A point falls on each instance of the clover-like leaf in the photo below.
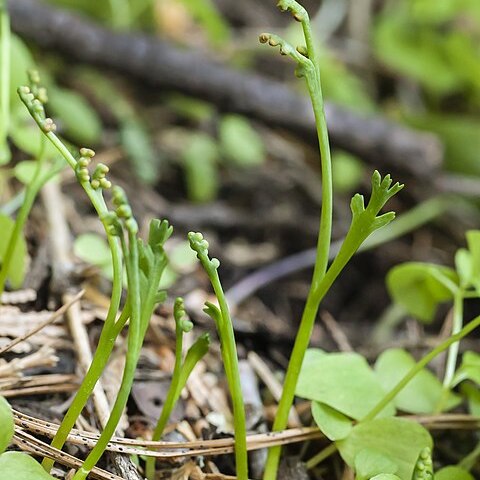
(420, 287)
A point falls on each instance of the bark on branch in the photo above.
(165, 66)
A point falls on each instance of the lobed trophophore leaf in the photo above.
(365, 219)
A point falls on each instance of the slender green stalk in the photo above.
(169, 401)
(141, 301)
(451, 363)
(453, 350)
(229, 351)
(134, 343)
(324, 237)
(468, 328)
(181, 372)
(321, 456)
(5, 35)
(104, 349)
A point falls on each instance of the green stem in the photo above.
(110, 331)
(133, 353)
(321, 456)
(105, 345)
(453, 350)
(170, 401)
(456, 327)
(421, 364)
(4, 82)
(230, 359)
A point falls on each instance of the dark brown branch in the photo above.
(163, 65)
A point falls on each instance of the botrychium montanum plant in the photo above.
(181, 371)
(364, 222)
(144, 264)
(224, 325)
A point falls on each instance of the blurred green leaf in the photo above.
(139, 149)
(397, 439)
(414, 51)
(347, 171)
(92, 248)
(206, 14)
(78, 120)
(18, 263)
(473, 241)
(200, 158)
(420, 287)
(240, 143)
(422, 394)
(459, 135)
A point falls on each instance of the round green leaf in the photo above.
(422, 394)
(343, 381)
(420, 287)
(20, 466)
(333, 424)
(93, 249)
(398, 439)
(6, 424)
